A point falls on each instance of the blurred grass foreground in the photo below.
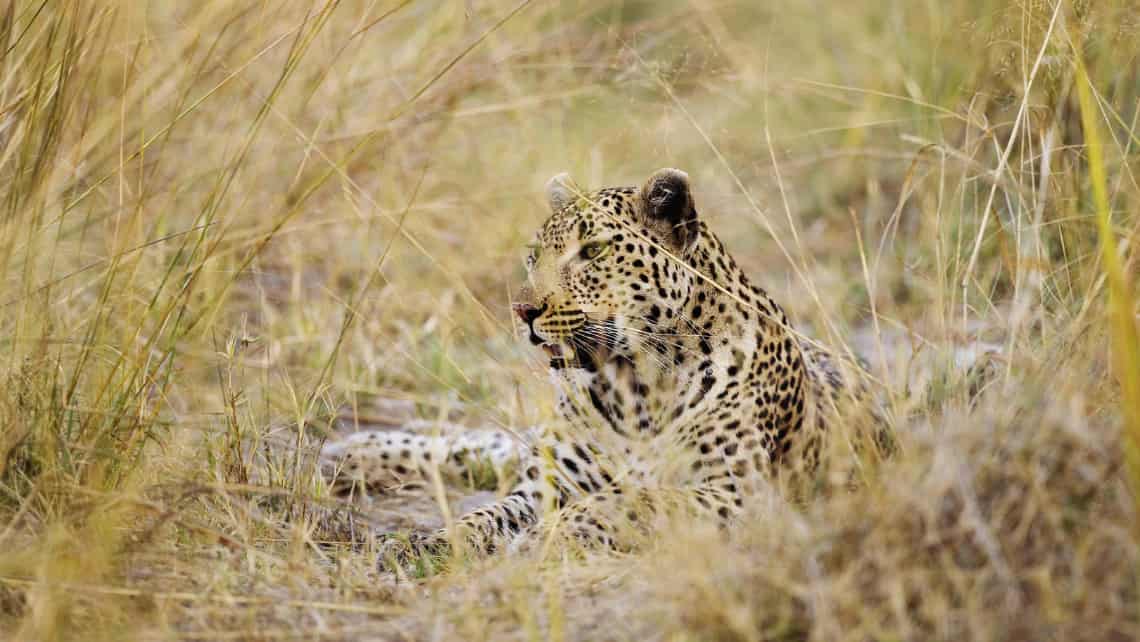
(230, 229)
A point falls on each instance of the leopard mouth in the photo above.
(561, 356)
(556, 350)
(577, 350)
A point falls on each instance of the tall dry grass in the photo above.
(227, 228)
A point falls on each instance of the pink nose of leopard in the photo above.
(527, 312)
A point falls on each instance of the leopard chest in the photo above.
(700, 390)
(661, 390)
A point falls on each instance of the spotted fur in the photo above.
(680, 383)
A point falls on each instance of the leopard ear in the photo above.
(561, 191)
(668, 203)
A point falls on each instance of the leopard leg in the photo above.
(622, 518)
(482, 531)
(554, 473)
(381, 460)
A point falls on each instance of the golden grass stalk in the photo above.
(192, 294)
(1125, 348)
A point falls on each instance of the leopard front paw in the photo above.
(417, 554)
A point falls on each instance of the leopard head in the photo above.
(606, 271)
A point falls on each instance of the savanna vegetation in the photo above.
(231, 229)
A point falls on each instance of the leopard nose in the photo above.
(527, 312)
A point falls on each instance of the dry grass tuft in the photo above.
(229, 229)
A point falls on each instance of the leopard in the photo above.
(680, 385)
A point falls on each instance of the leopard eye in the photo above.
(593, 250)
